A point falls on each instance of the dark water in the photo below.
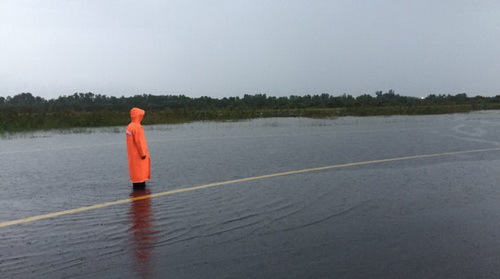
(423, 218)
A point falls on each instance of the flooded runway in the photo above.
(417, 217)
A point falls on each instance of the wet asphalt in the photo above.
(436, 217)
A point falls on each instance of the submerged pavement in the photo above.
(415, 217)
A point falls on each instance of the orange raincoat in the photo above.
(137, 148)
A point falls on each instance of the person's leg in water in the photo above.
(139, 185)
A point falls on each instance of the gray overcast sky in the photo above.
(235, 47)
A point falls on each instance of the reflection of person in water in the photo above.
(142, 232)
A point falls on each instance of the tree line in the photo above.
(94, 102)
(27, 112)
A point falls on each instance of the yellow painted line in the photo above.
(235, 181)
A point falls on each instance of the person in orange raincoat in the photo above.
(137, 149)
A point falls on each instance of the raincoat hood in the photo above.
(136, 114)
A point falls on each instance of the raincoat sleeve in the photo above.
(140, 142)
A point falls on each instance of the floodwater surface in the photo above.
(415, 217)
